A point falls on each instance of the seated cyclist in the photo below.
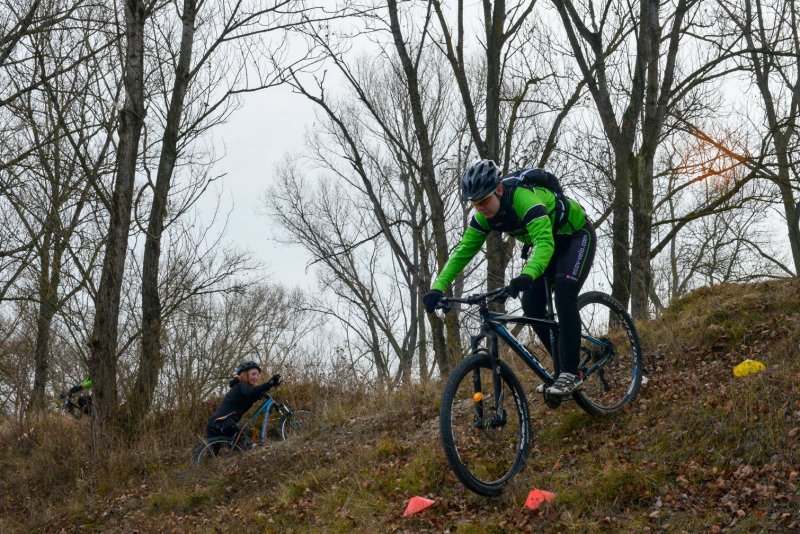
(240, 397)
(563, 254)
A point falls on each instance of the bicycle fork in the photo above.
(499, 418)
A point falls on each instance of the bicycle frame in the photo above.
(493, 325)
(267, 406)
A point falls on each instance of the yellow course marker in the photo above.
(477, 397)
(748, 367)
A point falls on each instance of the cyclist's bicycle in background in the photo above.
(257, 430)
(75, 404)
(484, 419)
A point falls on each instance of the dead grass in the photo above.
(700, 451)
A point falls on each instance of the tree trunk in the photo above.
(620, 230)
(407, 353)
(422, 354)
(150, 360)
(103, 342)
(640, 274)
(790, 209)
(44, 320)
(496, 257)
(439, 345)
(657, 101)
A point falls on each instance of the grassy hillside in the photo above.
(700, 451)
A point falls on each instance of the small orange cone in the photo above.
(417, 504)
(537, 497)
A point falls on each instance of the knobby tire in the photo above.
(484, 458)
(618, 383)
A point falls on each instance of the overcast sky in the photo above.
(256, 137)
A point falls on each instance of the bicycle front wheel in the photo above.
(296, 423)
(216, 447)
(610, 354)
(485, 433)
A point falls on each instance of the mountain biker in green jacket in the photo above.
(563, 254)
(84, 402)
(86, 384)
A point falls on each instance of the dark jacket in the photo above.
(238, 400)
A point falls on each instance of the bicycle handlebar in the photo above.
(477, 298)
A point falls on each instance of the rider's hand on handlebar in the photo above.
(516, 285)
(431, 300)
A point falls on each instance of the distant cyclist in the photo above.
(563, 252)
(83, 403)
(242, 394)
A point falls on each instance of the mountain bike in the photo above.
(256, 431)
(77, 407)
(484, 420)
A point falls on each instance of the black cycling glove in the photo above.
(516, 285)
(431, 299)
(274, 381)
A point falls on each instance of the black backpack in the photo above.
(539, 178)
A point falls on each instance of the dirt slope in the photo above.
(700, 451)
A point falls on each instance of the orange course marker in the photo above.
(417, 504)
(536, 497)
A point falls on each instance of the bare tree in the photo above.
(594, 37)
(52, 188)
(21, 22)
(731, 244)
(427, 173)
(710, 216)
(12, 33)
(504, 26)
(404, 143)
(771, 54)
(103, 341)
(248, 27)
(675, 88)
(210, 334)
(322, 220)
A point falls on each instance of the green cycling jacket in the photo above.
(527, 214)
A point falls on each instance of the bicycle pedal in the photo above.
(553, 401)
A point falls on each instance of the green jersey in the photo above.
(525, 213)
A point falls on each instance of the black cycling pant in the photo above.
(568, 269)
(225, 427)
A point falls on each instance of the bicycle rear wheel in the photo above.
(216, 447)
(484, 448)
(296, 423)
(609, 337)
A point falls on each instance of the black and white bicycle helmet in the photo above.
(479, 180)
(246, 366)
